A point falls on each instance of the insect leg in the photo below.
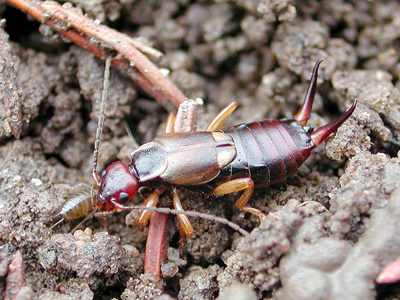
(169, 123)
(185, 226)
(151, 201)
(236, 185)
(184, 223)
(218, 122)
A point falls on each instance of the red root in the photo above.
(15, 280)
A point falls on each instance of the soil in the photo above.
(329, 230)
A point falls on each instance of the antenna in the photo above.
(166, 210)
(100, 122)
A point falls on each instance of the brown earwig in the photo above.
(82, 201)
(221, 161)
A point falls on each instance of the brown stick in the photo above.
(79, 29)
(156, 245)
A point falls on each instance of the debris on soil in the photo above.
(88, 257)
(143, 288)
(199, 283)
(171, 267)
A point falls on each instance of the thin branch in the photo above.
(82, 30)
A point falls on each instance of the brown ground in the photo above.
(258, 53)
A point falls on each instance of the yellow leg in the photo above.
(184, 223)
(182, 236)
(150, 201)
(236, 185)
(218, 122)
(169, 123)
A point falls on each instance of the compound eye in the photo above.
(123, 197)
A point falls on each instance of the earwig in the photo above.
(218, 161)
(82, 202)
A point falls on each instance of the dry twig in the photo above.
(84, 32)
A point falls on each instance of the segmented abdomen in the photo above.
(268, 151)
(78, 205)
